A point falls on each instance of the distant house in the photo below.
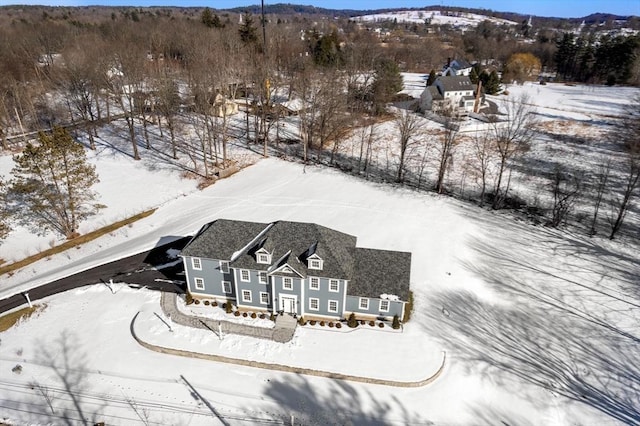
(296, 268)
(223, 107)
(457, 67)
(449, 93)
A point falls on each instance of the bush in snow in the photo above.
(236, 313)
(339, 325)
(301, 321)
(396, 322)
(352, 321)
(228, 308)
(188, 298)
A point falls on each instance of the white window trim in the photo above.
(198, 283)
(329, 306)
(319, 264)
(363, 301)
(244, 296)
(224, 266)
(262, 301)
(223, 287)
(284, 281)
(388, 304)
(337, 282)
(263, 258)
(311, 287)
(193, 263)
(242, 272)
(262, 277)
(317, 308)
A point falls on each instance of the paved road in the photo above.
(138, 269)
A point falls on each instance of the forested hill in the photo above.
(296, 9)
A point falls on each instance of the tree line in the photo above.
(146, 69)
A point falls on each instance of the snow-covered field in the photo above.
(435, 17)
(539, 326)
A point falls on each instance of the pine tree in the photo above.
(52, 184)
(473, 75)
(387, 82)
(4, 212)
(432, 78)
(210, 19)
(248, 31)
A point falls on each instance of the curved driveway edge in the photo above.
(286, 368)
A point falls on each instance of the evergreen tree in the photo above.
(396, 322)
(490, 82)
(326, 51)
(52, 184)
(387, 82)
(248, 31)
(473, 75)
(565, 56)
(352, 322)
(432, 78)
(4, 212)
(210, 19)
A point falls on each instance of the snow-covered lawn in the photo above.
(539, 326)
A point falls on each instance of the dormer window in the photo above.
(262, 256)
(315, 263)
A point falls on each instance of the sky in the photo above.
(559, 8)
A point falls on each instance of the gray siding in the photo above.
(324, 295)
(211, 275)
(255, 287)
(353, 305)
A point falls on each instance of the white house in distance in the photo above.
(454, 93)
(457, 67)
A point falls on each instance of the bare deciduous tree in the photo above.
(408, 124)
(565, 187)
(627, 134)
(512, 135)
(484, 155)
(447, 144)
(600, 179)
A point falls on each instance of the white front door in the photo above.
(288, 304)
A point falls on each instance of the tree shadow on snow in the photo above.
(571, 337)
(340, 403)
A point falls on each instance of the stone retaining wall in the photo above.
(286, 368)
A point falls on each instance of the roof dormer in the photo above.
(263, 256)
(315, 262)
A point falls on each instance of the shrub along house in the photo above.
(296, 268)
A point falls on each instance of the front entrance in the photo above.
(288, 304)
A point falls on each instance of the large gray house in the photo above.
(298, 268)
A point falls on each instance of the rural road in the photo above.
(138, 269)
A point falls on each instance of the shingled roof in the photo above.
(370, 272)
(334, 247)
(456, 83)
(220, 239)
(380, 272)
